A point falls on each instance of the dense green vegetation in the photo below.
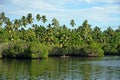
(30, 37)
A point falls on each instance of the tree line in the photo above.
(30, 37)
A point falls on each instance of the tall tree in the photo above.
(9, 27)
(97, 34)
(109, 34)
(38, 17)
(86, 30)
(55, 22)
(24, 21)
(44, 19)
(72, 23)
(17, 24)
(29, 18)
(2, 16)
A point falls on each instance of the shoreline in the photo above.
(61, 57)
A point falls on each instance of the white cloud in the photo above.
(36, 4)
(63, 9)
(103, 1)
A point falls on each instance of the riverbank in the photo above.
(27, 38)
(61, 56)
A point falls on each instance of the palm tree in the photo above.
(9, 27)
(97, 34)
(55, 22)
(72, 23)
(24, 21)
(49, 25)
(34, 26)
(86, 29)
(17, 24)
(118, 29)
(38, 17)
(8, 24)
(109, 34)
(2, 16)
(44, 19)
(29, 18)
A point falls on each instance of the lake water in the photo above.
(105, 68)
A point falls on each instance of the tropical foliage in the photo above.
(30, 37)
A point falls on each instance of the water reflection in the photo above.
(107, 68)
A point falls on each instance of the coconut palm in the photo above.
(17, 24)
(55, 22)
(2, 16)
(29, 18)
(38, 17)
(86, 29)
(97, 34)
(72, 23)
(24, 21)
(44, 19)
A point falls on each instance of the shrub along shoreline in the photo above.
(33, 50)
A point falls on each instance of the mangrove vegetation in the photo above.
(34, 37)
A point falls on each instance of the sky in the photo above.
(101, 13)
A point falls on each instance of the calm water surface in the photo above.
(106, 68)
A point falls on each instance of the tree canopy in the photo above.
(28, 37)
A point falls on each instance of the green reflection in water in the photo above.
(61, 69)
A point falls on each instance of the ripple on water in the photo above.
(107, 63)
(107, 68)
